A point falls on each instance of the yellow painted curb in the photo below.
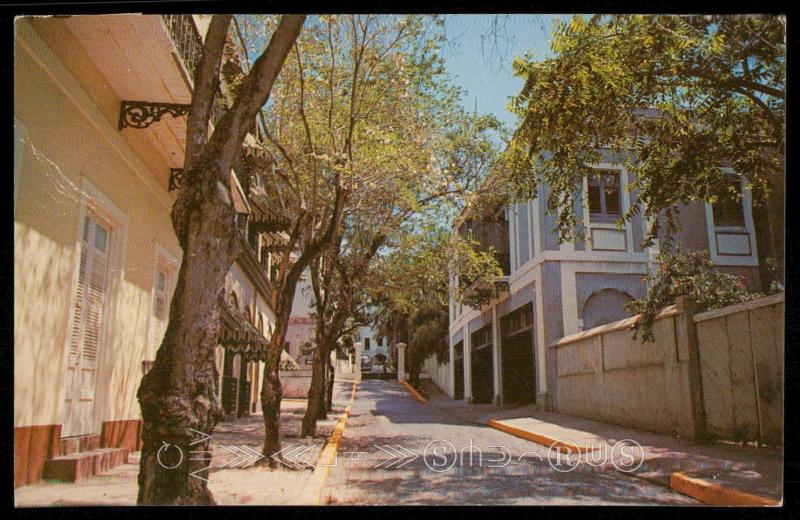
(714, 494)
(327, 459)
(413, 392)
(539, 438)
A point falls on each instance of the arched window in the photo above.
(234, 300)
(605, 306)
(261, 325)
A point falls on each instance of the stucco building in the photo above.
(500, 340)
(302, 324)
(99, 106)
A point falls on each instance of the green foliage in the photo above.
(690, 274)
(775, 276)
(672, 98)
(418, 269)
(306, 348)
(429, 334)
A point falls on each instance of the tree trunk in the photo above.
(331, 377)
(322, 410)
(271, 395)
(413, 366)
(179, 394)
(315, 393)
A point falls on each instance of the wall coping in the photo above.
(739, 307)
(672, 310)
(614, 326)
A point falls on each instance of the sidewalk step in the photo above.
(77, 467)
(81, 443)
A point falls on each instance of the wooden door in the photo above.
(87, 326)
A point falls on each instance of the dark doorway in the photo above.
(229, 386)
(243, 406)
(519, 370)
(458, 367)
(482, 366)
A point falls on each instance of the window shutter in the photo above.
(79, 304)
(94, 308)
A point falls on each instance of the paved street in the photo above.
(396, 450)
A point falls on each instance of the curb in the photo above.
(414, 392)
(539, 438)
(327, 459)
(714, 494)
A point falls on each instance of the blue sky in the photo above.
(481, 65)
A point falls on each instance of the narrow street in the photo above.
(373, 466)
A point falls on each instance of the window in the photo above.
(730, 212)
(366, 343)
(162, 286)
(605, 202)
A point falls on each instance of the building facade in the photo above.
(302, 324)
(99, 144)
(500, 337)
(373, 344)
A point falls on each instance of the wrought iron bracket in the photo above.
(141, 114)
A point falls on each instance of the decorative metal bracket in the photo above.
(141, 114)
(175, 178)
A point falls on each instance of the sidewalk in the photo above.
(233, 478)
(732, 466)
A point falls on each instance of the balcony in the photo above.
(490, 232)
(188, 43)
(481, 292)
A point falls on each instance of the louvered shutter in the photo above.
(79, 304)
(95, 298)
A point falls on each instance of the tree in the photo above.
(430, 327)
(362, 101)
(673, 98)
(350, 118)
(685, 273)
(416, 278)
(179, 396)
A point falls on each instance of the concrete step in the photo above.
(77, 467)
(81, 443)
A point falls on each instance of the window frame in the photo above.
(714, 231)
(604, 217)
(166, 262)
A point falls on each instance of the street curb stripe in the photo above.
(413, 392)
(313, 490)
(714, 494)
(539, 438)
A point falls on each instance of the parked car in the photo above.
(366, 363)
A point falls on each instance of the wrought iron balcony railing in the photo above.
(188, 41)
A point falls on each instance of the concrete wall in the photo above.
(716, 374)
(606, 375)
(741, 364)
(438, 372)
(296, 383)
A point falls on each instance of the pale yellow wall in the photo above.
(68, 138)
(72, 55)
